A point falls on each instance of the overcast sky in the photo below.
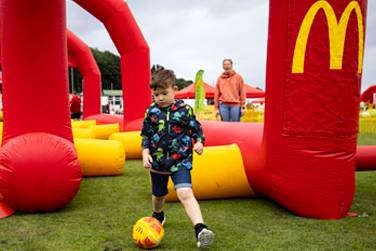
(187, 36)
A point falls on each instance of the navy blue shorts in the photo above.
(159, 181)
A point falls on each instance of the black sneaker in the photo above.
(160, 217)
(204, 236)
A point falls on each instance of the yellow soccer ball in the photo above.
(148, 232)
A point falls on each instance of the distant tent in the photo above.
(367, 95)
(259, 100)
(189, 92)
(253, 92)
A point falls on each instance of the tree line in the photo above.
(109, 66)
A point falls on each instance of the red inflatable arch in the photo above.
(83, 59)
(134, 55)
(367, 95)
(80, 56)
(47, 36)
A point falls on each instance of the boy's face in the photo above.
(165, 97)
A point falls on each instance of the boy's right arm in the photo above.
(145, 142)
(146, 158)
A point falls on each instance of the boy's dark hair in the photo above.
(162, 78)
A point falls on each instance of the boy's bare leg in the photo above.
(158, 203)
(203, 234)
(186, 197)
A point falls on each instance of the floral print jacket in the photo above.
(167, 133)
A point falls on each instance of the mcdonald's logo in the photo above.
(337, 34)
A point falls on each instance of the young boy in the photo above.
(167, 133)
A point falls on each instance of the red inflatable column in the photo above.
(34, 59)
(314, 66)
(38, 162)
(135, 72)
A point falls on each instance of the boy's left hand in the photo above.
(198, 148)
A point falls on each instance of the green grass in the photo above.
(102, 214)
(366, 139)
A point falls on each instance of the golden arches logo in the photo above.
(337, 34)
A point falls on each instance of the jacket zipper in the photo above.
(168, 119)
(169, 129)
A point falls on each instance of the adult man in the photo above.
(75, 107)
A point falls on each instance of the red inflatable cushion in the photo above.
(39, 172)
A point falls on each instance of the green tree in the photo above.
(77, 80)
(109, 66)
(182, 83)
(179, 82)
(154, 68)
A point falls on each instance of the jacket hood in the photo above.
(173, 107)
(223, 75)
(178, 104)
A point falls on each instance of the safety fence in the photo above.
(367, 121)
(367, 125)
(255, 114)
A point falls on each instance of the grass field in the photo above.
(367, 139)
(102, 214)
